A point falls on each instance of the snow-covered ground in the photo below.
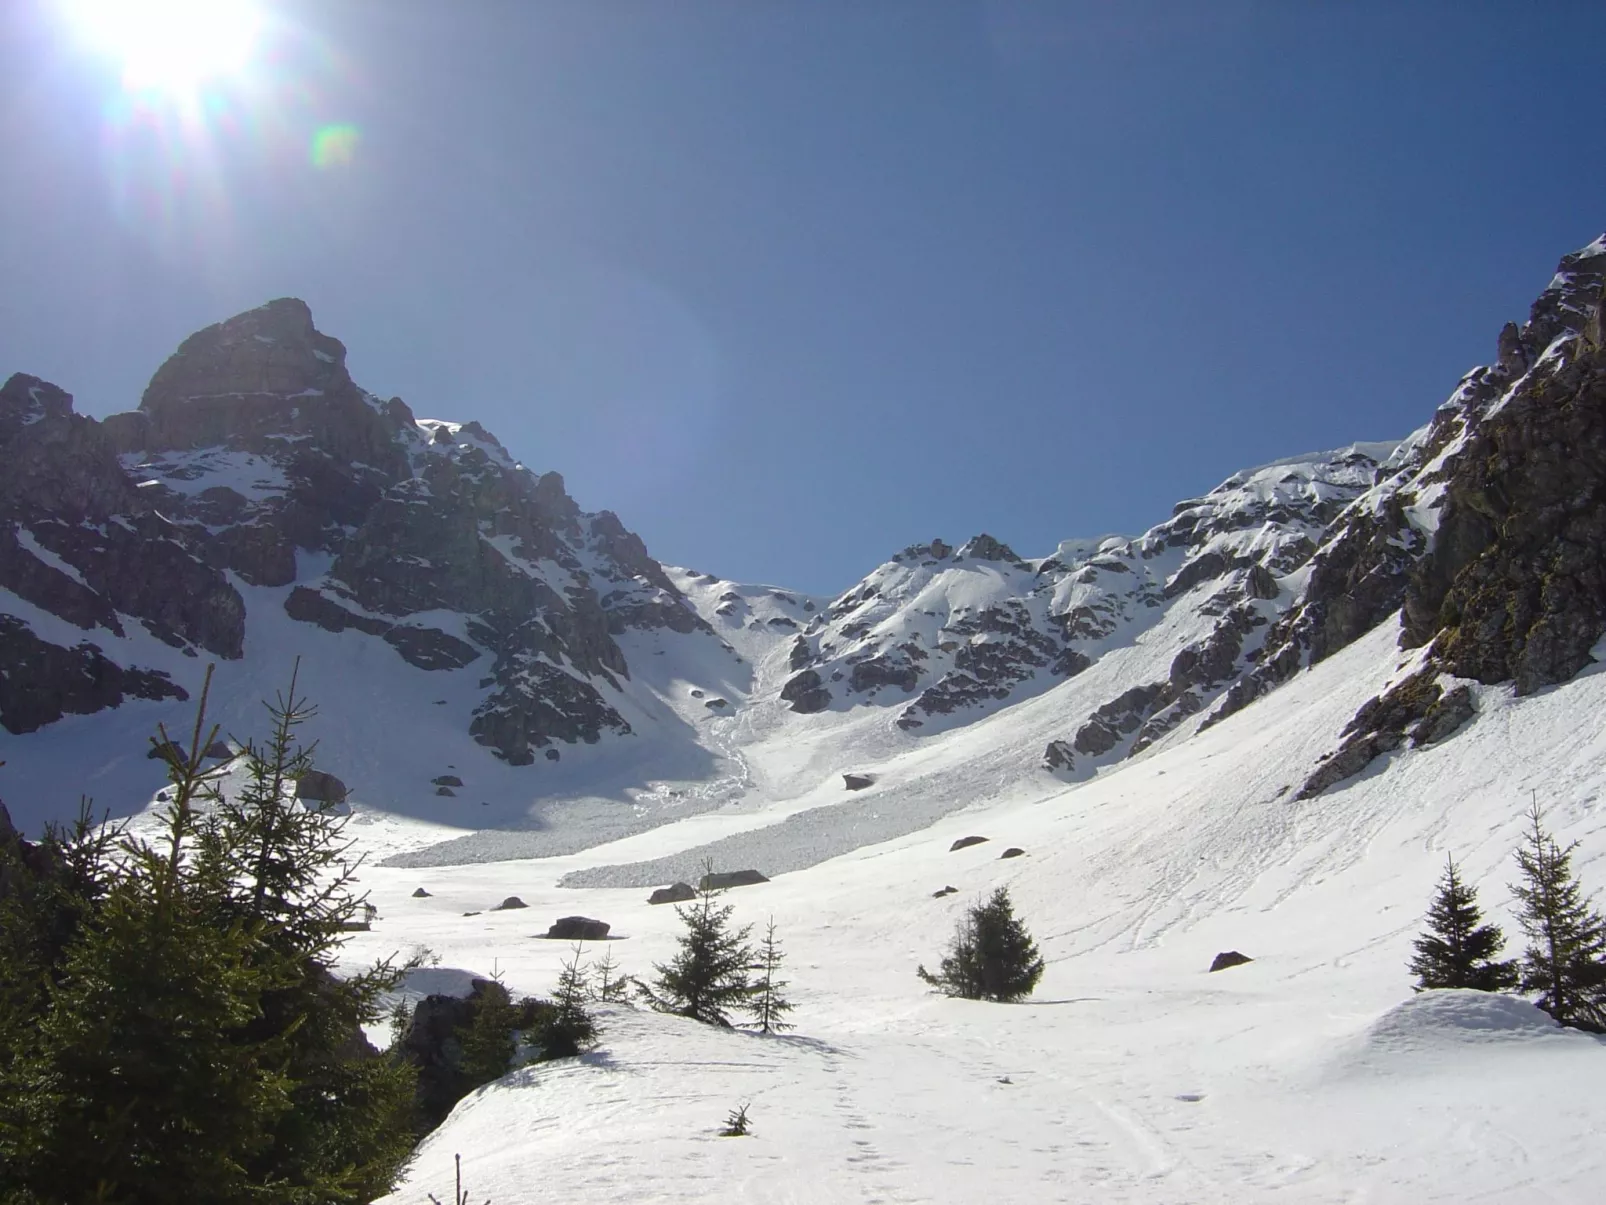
(1132, 1075)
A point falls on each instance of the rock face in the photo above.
(1486, 535)
(254, 457)
(968, 630)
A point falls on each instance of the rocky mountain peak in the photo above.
(273, 349)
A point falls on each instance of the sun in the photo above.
(169, 46)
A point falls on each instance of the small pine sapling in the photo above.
(569, 1029)
(991, 956)
(1456, 950)
(769, 1003)
(1565, 961)
(606, 984)
(736, 1124)
(490, 1041)
(709, 976)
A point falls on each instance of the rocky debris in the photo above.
(1227, 959)
(1059, 755)
(509, 904)
(720, 880)
(447, 780)
(937, 895)
(1014, 851)
(806, 693)
(420, 894)
(858, 782)
(578, 928)
(321, 787)
(965, 843)
(675, 893)
(717, 704)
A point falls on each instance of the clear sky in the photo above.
(792, 285)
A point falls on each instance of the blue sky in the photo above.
(792, 285)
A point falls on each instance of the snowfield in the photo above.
(1132, 1075)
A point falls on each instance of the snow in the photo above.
(27, 540)
(1132, 1075)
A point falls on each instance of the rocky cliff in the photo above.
(254, 459)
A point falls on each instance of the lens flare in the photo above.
(334, 146)
(172, 46)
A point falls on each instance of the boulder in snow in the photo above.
(1229, 958)
(964, 842)
(511, 902)
(720, 880)
(676, 893)
(857, 782)
(321, 787)
(579, 928)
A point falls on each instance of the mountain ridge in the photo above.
(258, 495)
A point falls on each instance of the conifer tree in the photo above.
(709, 977)
(569, 1029)
(490, 1042)
(769, 1003)
(1566, 956)
(991, 956)
(188, 1040)
(610, 986)
(1457, 951)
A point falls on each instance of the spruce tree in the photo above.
(991, 956)
(609, 986)
(709, 977)
(491, 1041)
(569, 1029)
(769, 1003)
(1565, 961)
(188, 1039)
(1457, 951)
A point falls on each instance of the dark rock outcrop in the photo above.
(1228, 959)
(1014, 851)
(858, 782)
(1059, 755)
(965, 843)
(512, 902)
(806, 693)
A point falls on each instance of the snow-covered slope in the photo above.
(1132, 1075)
